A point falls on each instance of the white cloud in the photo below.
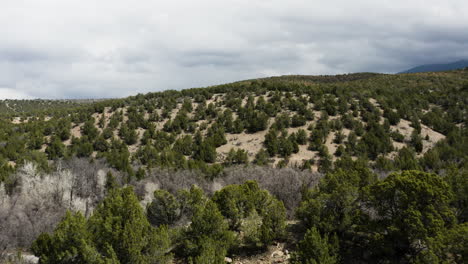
(86, 48)
(8, 93)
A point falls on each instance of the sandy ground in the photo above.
(330, 145)
(303, 154)
(76, 130)
(274, 254)
(252, 143)
(404, 127)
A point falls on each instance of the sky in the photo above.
(66, 49)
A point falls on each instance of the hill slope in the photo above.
(280, 137)
(299, 121)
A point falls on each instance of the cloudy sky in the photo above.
(112, 48)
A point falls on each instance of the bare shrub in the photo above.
(38, 201)
(285, 184)
(35, 206)
(172, 181)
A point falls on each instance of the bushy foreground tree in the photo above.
(333, 205)
(164, 210)
(404, 218)
(70, 243)
(412, 209)
(251, 209)
(208, 235)
(117, 232)
(315, 249)
(169, 209)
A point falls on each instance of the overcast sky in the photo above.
(111, 48)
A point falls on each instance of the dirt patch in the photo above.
(330, 145)
(252, 143)
(274, 254)
(404, 127)
(76, 130)
(434, 137)
(304, 154)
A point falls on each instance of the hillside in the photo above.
(285, 121)
(438, 67)
(24, 107)
(288, 133)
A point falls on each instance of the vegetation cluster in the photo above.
(373, 167)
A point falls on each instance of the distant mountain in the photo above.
(438, 67)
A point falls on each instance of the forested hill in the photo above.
(331, 140)
(300, 121)
(438, 67)
(14, 107)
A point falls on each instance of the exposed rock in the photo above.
(277, 254)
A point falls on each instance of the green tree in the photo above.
(238, 156)
(216, 135)
(261, 158)
(64, 131)
(107, 133)
(450, 246)
(332, 205)
(183, 145)
(301, 137)
(314, 249)
(101, 144)
(120, 223)
(210, 253)
(256, 121)
(83, 147)
(36, 140)
(416, 141)
(208, 224)
(56, 149)
(239, 202)
(383, 164)
(411, 207)
(298, 120)
(457, 179)
(129, 135)
(70, 243)
(111, 182)
(190, 200)
(164, 209)
(406, 159)
(118, 156)
(89, 129)
(206, 151)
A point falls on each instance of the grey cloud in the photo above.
(21, 55)
(207, 57)
(116, 48)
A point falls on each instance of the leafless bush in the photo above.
(285, 184)
(35, 206)
(172, 180)
(18, 258)
(88, 180)
(39, 200)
